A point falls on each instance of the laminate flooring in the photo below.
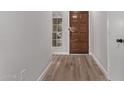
(73, 68)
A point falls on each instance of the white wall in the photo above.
(25, 44)
(65, 35)
(105, 28)
(98, 36)
(116, 51)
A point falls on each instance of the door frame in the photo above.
(88, 35)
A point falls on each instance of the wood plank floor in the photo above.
(73, 68)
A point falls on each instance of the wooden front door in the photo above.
(79, 32)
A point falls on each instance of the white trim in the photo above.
(60, 53)
(108, 42)
(101, 67)
(89, 33)
(78, 54)
(67, 53)
(90, 53)
(45, 70)
(68, 32)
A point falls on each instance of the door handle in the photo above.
(70, 29)
(120, 40)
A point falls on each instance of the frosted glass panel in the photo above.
(54, 36)
(57, 32)
(54, 42)
(59, 27)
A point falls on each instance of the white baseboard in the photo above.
(101, 66)
(90, 53)
(45, 70)
(62, 53)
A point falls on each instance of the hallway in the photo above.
(30, 39)
(73, 68)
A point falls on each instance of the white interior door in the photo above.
(116, 50)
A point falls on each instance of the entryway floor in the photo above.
(74, 68)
